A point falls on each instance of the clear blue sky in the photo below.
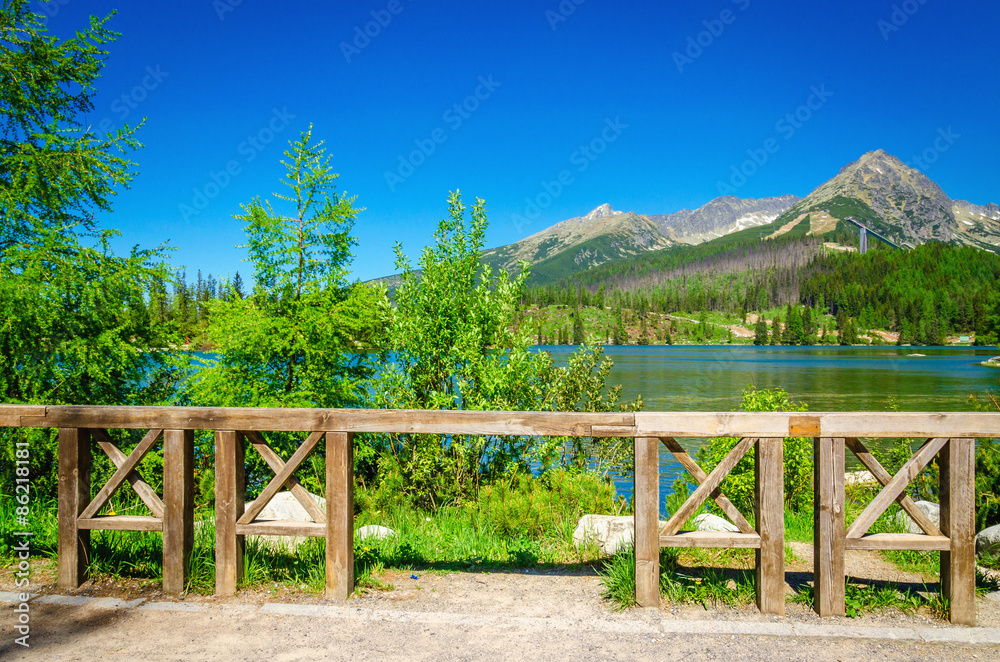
(558, 76)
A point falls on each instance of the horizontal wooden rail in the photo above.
(533, 423)
(951, 438)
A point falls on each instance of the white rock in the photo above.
(374, 531)
(609, 532)
(931, 509)
(988, 542)
(285, 506)
(710, 522)
(859, 478)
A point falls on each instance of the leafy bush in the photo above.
(798, 456)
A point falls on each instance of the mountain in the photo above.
(722, 216)
(897, 201)
(605, 235)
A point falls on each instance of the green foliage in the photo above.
(987, 471)
(861, 599)
(76, 329)
(798, 456)
(293, 341)
(453, 344)
(55, 170)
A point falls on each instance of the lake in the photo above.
(829, 378)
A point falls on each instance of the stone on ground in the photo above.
(610, 533)
(285, 506)
(988, 542)
(931, 509)
(710, 522)
(375, 532)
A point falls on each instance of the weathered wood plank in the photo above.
(612, 431)
(178, 501)
(230, 493)
(727, 506)
(711, 424)
(958, 564)
(711, 484)
(279, 480)
(894, 489)
(122, 523)
(20, 416)
(125, 469)
(146, 493)
(74, 493)
(340, 515)
(276, 464)
(647, 520)
(828, 527)
(711, 539)
(910, 424)
(281, 527)
(883, 477)
(769, 496)
(917, 541)
(353, 420)
(804, 426)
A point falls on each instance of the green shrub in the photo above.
(798, 456)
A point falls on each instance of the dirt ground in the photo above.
(475, 616)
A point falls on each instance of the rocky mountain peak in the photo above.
(601, 212)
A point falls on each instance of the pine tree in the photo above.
(776, 330)
(760, 332)
(236, 287)
(579, 333)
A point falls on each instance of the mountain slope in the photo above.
(721, 216)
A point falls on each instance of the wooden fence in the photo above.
(950, 436)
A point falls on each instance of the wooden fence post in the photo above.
(339, 515)
(647, 521)
(770, 502)
(230, 493)
(74, 495)
(178, 507)
(958, 491)
(828, 527)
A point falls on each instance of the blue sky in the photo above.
(649, 106)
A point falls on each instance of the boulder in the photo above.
(285, 506)
(859, 478)
(988, 542)
(710, 522)
(374, 532)
(931, 509)
(609, 532)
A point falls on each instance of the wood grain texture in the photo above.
(919, 541)
(282, 527)
(710, 485)
(958, 564)
(277, 465)
(121, 523)
(647, 521)
(883, 477)
(711, 539)
(230, 493)
(769, 497)
(340, 515)
(74, 493)
(828, 527)
(125, 471)
(178, 502)
(895, 487)
(727, 506)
